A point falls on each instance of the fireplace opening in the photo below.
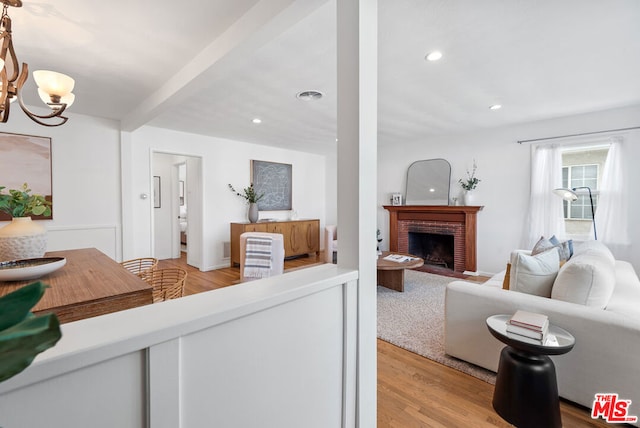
(435, 249)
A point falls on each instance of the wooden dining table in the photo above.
(89, 284)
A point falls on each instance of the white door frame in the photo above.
(175, 210)
(194, 190)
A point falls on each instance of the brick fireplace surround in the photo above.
(459, 221)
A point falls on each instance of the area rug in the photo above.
(414, 320)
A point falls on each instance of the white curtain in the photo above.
(611, 214)
(545, 208)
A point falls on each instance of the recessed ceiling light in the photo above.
(257, 120)
(433, 56)
(496, 107)
(309, 95)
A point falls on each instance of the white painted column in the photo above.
(357, 179)
(126, 183)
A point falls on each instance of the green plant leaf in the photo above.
(15, 306)
(39, 209)
(19, 203)
(20, 344)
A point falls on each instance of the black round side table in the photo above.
(526, 391)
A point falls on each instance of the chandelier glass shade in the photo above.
(55, 89)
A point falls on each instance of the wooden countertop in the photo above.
(90, 284)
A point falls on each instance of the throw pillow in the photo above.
(535, 274)
(544, 244)
(587, 279)
(567, 246)
(541, 246)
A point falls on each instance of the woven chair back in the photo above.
(167, 283)
(141, 266)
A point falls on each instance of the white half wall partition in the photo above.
(268, 354)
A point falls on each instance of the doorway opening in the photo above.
(177, 213)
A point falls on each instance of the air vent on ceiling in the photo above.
(309, 95)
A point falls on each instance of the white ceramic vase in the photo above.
(253, 212)
(23, 238)
(469, 197)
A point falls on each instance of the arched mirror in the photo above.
(428, 182)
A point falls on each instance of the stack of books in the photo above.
(529, 325)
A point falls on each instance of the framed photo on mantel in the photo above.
(26, 159)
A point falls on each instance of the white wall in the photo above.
(504, 168)
(331, 206)
(223, 162)
(85, 179)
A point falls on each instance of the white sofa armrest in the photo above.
(603, 359)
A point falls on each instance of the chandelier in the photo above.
(54, 88)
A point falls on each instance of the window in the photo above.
(582, 167)
(576, 176)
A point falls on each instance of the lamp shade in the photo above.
(67, 99)
(53, 83)
(566, 194)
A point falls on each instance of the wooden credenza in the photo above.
(300, 236)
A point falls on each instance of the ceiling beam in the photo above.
(263, 22)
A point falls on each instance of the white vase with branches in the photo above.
(469, 185)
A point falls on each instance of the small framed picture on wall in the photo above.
(156, 191)
(396, 199)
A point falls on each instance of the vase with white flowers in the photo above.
(23, 238)
(252, 198)
(469, 185)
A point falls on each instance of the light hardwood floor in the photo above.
(413, 391)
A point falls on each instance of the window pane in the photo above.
(592, 183)
(577, 176)
(591, 171)
(576, 211)
(565, 179)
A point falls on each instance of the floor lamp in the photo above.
(571, 195)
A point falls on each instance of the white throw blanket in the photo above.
(257, 261)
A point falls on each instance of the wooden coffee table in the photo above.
(391, 274)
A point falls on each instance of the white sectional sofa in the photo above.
(606, 356)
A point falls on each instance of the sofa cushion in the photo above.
(626, 293)
(534, 274)
(593, 247)
(588, 278)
